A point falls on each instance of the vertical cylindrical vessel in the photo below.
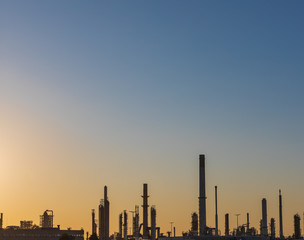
(264, 218)
(145, 211)
(297, 228)
(120, 225)
(216, 217)
(202, 196)
(106, 213)
(93, 222)
(227, 224)
(247, 225)
(272, 228)
(101, 218)
(125, 225)
(281, 215)
(194, 224)
(136, 221)
(153, 223)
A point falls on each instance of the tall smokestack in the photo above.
(264, 218)
(202, 196)
(106, 213)
(227, 224)
(145, 211)
(216, 217)
(247, 222)
(281, 215)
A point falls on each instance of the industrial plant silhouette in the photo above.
(198, 231)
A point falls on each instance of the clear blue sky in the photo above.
(133, 91)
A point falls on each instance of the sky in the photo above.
(122, 93)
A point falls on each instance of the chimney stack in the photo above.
(281, 215)
(202, 196)
(264, 218)
(216, 217)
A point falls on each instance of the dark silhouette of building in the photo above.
(1, 220)
(125, 225)
(145, 211)
(120, 225)
(94, 226)
(202, 196)
(194, 224)
(281, 215)
(216, 216)
(26, 224)
(153, 223)
(264, 218)
(297, 228)
(46, 220)
(39, 234)
(104, 216)
(272, 229)
(227, 224)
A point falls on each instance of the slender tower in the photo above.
(264, 218)
(153, 223)
(202, 196)
(107, 213)
(145, 211)
(125, 236)
(281, 215)
(216, 217)
(226, 224)
(101, 218)
(120, 225)
(93, 222)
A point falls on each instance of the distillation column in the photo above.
(107, 213)
(281, 215)
(101, 217)
(227, 224)
(125, 225)
(145, 211)
(202, 196)
(120, 225)
(216, 217)
(153, 223)
(264, 218)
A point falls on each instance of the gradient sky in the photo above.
(122, 93)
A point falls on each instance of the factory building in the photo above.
(39, 234)
(46, 231)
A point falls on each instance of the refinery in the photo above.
(141, 229)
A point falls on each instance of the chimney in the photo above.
(216, 217)
(264, 218)
(281, 215)
(202, 196)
